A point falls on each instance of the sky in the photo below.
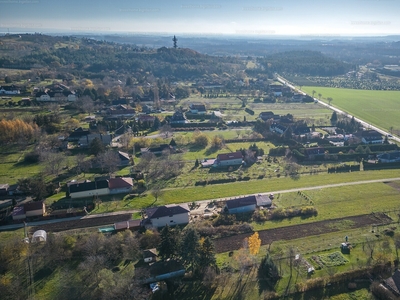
(253, 17)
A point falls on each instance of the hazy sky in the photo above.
(290, 17)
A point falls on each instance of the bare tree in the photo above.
(108, 161)
(166, 130)
(54, 161)
(157, 192)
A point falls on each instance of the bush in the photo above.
(31, 157)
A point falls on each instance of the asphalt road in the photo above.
(365, 124)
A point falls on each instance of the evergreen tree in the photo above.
(96, 147)
(167, 247)
(268, 271)
(156, 124)
(190, 249)
(207, 253)
(175, 40)
(172, 143)
(196, 164)
(334, 117)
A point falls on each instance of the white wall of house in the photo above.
(91, 193)
(44, 98)
(231, 162)
(121, 190)
(33, 213)
(19, 217)
(71, 97)
(171, 220)
(379, 141)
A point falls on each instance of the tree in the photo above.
(129, 81)
(96, 146)
(313, 93)
(190, 248)
(196, 163)
(268, 272)
(166, 130)
(156, 124)
(319, 96)
(53, 161)
(108, 161)
(254, 244)
(201, 140)
(207, 253)
(217, 142)
(168, 245)
(329, 100)
(175, 40)
(156, 192)
(35, 186)
(334, 118)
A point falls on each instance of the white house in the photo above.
(371, 137)
(9, 90)
(88, 189)
(229, 159)
(277, 128)
(120, 185)
(199, 109)
(168, 215)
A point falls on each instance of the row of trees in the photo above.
(16, 130)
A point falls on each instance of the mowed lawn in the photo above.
(380, 108)
(337, 202)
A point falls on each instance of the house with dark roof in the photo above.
(247, 204)
(229, 159)
(150, 255)
(85, 140)
(120, 185)
(314, 152)
(268, 115)
(88, 189)
(301, 130)
(199, 109)
(393, 283)
(120, 111)
(124, 159)
(371, 137)
(389, 157)
(276, 89)
(297, 98)
(277, 128)
(156, 150)
(31, 209)
(75, 135)
(178, 118)
(9, 90)
(163, 270)
(171, 215)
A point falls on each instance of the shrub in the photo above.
(31, 157)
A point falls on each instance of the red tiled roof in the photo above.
(229, 156)
(120, 182)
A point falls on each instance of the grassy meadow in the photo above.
(381, 108)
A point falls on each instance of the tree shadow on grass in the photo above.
(192, 290)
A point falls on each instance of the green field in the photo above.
(381, 108)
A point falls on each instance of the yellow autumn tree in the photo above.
(254, 243)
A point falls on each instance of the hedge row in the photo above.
(380, 166)
(194, 128)
(344, 168)
(191, 125)
(219, 181)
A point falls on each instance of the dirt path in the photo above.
(299, 231)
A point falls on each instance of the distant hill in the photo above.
(305, 63)
(91, 56)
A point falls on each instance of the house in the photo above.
(146, 119)
(393, 283)
(25, 102)
(18, 213)
(229, 159)
(43, 97)
(301, 130)
(34, 209)
(156, 150)
(178, 118)
(314, 151)
(120, 111)
(268, 115)
(247, 204)
(120, 185)
(276, 89)
(75, 135)
(124, 159)
(163, 270)
(277, 128)
(4, 189)
(150, 255)
(297, 98)
(168, 215)
(85, 141)
(88, 189)
(389, 157)
(9, 90)
(199, 109)
(371, 137)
